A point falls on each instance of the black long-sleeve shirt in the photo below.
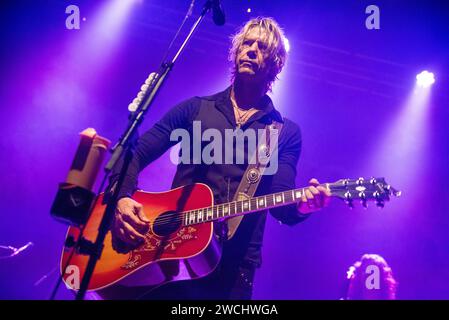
(217, 112)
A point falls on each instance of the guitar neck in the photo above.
(241, 207)
(372, 189)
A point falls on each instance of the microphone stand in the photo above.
(95, 249)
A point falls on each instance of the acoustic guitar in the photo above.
(181, 244)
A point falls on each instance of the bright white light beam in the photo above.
(425, 79)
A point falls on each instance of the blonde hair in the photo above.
(277, 54)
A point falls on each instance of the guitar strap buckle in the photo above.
(253, 175)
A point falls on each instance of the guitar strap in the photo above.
(254, 172)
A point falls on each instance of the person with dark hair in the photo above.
(371, 278)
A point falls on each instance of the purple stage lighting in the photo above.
(425, 79)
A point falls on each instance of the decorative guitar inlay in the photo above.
(153, 242)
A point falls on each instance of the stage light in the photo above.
(286, 44)
(248, 10)
(425, 79)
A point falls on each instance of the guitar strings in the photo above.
(174, 218)
(169, 216)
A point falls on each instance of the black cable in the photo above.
(189, 13)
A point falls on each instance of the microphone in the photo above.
(217, 13)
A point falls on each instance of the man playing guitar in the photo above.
(258, 55)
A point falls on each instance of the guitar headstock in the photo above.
(373, 189)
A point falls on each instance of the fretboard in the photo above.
(236, 208)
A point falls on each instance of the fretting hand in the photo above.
(314, 197)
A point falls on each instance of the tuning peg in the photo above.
(373, 180)
(362, 196)
(379, 201)
(360, 181)
(348, 200)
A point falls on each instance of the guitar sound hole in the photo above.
(167, 223)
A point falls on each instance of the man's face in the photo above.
(252, 58)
